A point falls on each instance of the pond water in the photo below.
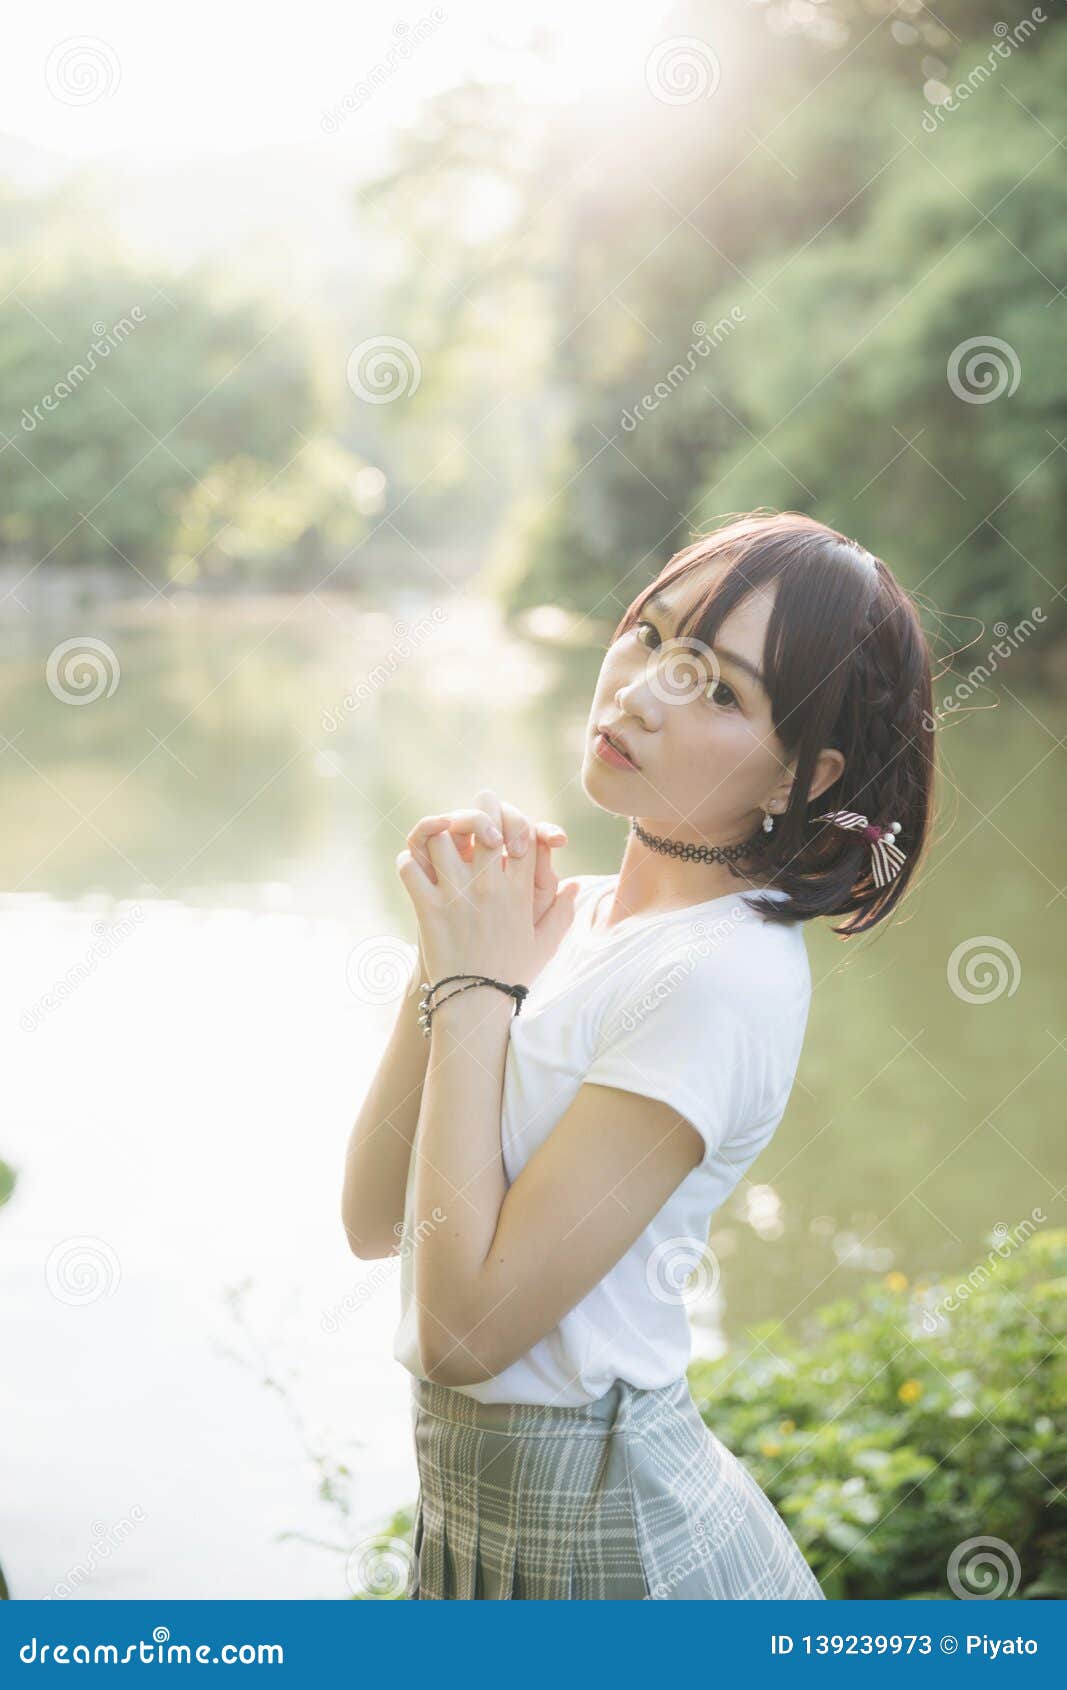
(202, 935)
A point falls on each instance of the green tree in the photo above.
(146, 419)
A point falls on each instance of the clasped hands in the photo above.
(485, 893)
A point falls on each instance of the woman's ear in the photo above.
(829, 766)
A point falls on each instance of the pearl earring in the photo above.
(768, 822)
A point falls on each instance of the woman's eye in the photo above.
(639, 625)
(731, 700)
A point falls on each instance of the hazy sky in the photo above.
(86, 78)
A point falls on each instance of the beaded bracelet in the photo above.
(427, 1007)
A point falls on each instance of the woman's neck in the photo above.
(650, 883)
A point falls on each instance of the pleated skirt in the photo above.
(631, 1497)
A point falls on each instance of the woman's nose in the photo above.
(636, 698)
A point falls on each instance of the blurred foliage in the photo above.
(885, 1446)
(862, 247)
(162, 424)
(545, 261)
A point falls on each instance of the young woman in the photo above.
(595, 1064)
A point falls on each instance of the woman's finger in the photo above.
(412, 879)
(451, 871)
(458, 822)
(481, 825)
(517, 827)
(549, 831)
(462, 824)
(519, 832)
(545, 880)
(552, 833)
(489, 801)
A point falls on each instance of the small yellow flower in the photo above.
(768, 1447)
(896, 1281)
(787, 1426)
(910, 1391)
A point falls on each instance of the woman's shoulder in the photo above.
(731, 955)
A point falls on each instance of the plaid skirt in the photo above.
(625, 1498)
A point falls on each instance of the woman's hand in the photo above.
(475, 904)
(492, 815)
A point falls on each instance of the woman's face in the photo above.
(696, 721)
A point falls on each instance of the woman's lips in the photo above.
(608, 754)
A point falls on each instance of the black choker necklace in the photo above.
(695, 853)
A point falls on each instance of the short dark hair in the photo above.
(846, 665)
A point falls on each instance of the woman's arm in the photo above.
(379, 1147)
(508, 1263)
(378, 1155)
(459, 1172)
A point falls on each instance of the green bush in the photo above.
(900, 1428)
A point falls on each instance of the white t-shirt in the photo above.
(704, 1008)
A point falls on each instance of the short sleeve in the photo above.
(674, 1035)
